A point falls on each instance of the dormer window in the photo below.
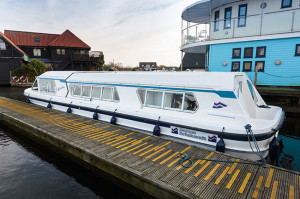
(37, 40)
(2, 45)
(286, 3)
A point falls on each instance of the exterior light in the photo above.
(224, 63)
(278, 62)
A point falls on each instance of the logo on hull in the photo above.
(212, 139)
(219, 105)
(175, 130)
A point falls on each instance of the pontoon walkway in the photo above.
(146, 162)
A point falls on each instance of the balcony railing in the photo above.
(252, 25)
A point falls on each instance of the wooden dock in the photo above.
(148, 163)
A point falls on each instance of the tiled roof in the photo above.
(22, 38)
(68, 39)
(8, 40)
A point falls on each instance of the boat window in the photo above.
(190, 103)
(107, 93)
(35, 85)
(116, 95)
(154, 99)
(86, 91)
(76, 90)
(96, 92)
(51, 86)
(44, 85)
(141, 93)
(173, 100)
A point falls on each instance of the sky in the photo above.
(126, 31)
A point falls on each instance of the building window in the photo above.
(216, 23)
(37, 52)
(297, 53)
(236, 53)
(247, 66)
(248, 52)
(260, 65)
(63, 51)
(37, 40)
(58, 51)
(227, 18)
(235, 66)
(261, 51)
(242, 15)
(83, 52)
(2, 45)
(286, 3)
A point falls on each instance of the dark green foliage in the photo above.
(31, 70)
(100, 63)
(110, 69)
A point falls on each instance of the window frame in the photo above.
(217, 21)
(287, 6)
(4, 44)
(260, 70)
(73, 89)
(245, 52)
(247, 70)
(297, 54)
(233, 64)
(58, 51)
(227, 19)
(96, 98)
(33, 87)
(173, 109)
(233, 57)
(63, 51)
(111, 94)
(35, 52)
(162, 99)
(189, 111)
(81, 94)
(261, 56)
(243, 16)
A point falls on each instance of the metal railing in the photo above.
(252, 25)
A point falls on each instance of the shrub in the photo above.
(31, 70)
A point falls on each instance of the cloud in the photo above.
(128, 31)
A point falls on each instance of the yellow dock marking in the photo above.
(222, 175)
(173, 156)
(116, 139)
(244, 184)
(207, 157)
(274, 190)
(257, 187)
(126, 143)
(162, 155)
(233, 167)
(104, 136)
(142, 149)
(292, 192)
(97, 134)
(197, 162)
(153, 149)
(202, 169)
(136, 147)
(121, 142)
(269, 179)
(133, 144)
(153, 154)
(232, 179)
(212, 172)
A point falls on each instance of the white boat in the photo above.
(206, 109)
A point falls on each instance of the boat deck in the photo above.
(148, 163)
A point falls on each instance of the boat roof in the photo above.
(204, 80)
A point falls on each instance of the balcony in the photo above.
(252, 25)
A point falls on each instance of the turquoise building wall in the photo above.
(285, 74)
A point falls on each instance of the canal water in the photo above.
(28, 170)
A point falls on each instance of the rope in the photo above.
(258, 152)
(282, 76)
